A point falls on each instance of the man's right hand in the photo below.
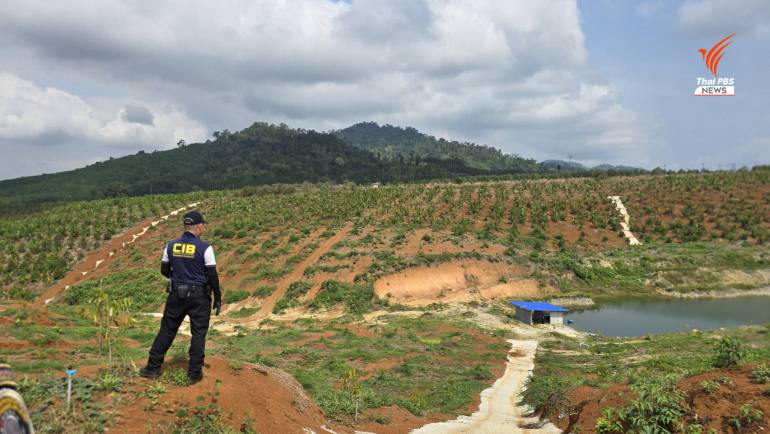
(218, 306)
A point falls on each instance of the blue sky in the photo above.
(602, 81)
(652, 59)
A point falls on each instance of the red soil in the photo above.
(459, 281)
(271, 399)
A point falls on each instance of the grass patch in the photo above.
(357, 298)
(264, 291)
(244, 312)
(291, 298)
(235, 295)
(328, 362)
(144, 287)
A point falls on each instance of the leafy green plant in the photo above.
(108, 382)
(710, 387)
(724, 379)
(103, 311)
(746, 417)
(729, 352)
(658, 408)
(761, 373)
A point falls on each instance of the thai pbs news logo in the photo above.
(715, 86)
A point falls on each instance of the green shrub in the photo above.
(710, 387)
(761, 373)
(746, 417)
(546, 393)
(729, 352)
(658, 408)
(357, 298)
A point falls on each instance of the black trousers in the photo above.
(198, 307)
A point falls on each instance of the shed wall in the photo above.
(557, 317)
(523, 315)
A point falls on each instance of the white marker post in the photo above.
(70, 374)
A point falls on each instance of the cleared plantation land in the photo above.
(303, 267)
(562, 234)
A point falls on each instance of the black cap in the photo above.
(193, 218)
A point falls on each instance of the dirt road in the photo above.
(499, 410)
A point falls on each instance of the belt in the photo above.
(187, 286)
(184, 290)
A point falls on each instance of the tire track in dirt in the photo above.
(499, 411)
(266, 308)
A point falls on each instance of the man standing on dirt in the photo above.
(189, 264)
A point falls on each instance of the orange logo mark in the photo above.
(715, 54)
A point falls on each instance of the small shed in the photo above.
(536, 312)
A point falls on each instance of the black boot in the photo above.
(152, 374)
(194, 377)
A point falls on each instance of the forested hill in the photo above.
(259, 154)
(395, 143)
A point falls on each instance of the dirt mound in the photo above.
(267, 399)
(455, 282)
(736, 390)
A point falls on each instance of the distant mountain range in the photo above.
(573, 166)
(268, 154)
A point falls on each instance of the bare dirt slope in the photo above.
(456, 282)
(266, 399)
(499, 411)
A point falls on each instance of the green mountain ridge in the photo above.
(392, 143)
(260, 154)
(274, 154)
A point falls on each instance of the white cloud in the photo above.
(512, 74)
(27, 111)
(716, 17)
(35, 115)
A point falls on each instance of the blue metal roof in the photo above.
(538, 305)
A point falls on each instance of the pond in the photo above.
(641, 317)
